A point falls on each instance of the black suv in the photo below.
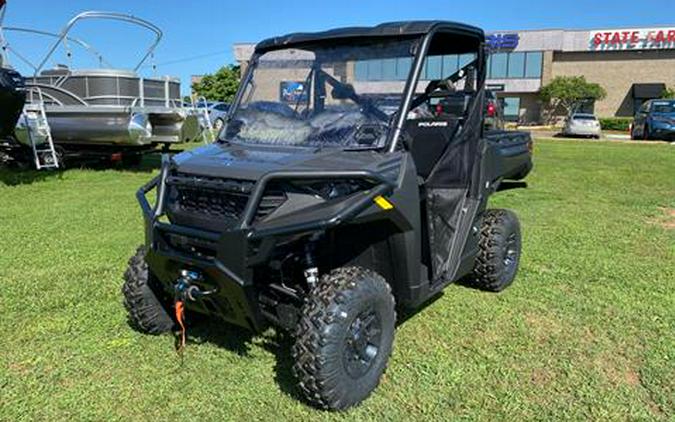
(325, 212)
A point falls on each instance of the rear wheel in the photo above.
(499, 251)
(148, 311)
(344, 338)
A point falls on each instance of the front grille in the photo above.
(220, 201)
(216, 202)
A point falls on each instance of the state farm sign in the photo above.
(632, 39)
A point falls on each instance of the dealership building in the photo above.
(632, 64)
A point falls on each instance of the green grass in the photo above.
(586, 331)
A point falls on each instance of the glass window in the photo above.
(374, 70)
(489, 67)
(449, 64)
(511, 108)
(361, 70)
(434, 67)
(389, 69)
(403, 66)
(533, 64)
(499, 65)
(465, 59)
(516, 65)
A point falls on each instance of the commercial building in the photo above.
(631, 64)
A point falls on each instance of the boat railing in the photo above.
(105, 16)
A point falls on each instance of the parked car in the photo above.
(217, 111)
(654, 120)
(582, 124)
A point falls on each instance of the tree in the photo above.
(569, 92)
(668, 94)
(219, 86)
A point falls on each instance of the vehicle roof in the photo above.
(390, 29)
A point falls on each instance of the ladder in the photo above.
(203, 113)
(39, 134)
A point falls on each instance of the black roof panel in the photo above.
(390, 29)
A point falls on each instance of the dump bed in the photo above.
(512, 151)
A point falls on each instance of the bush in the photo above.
(615, 123)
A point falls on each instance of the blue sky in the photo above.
(198, 35)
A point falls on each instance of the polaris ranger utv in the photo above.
(329, 203)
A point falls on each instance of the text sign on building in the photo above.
(502, 41)
(632, 39)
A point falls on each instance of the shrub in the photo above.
(615, 123)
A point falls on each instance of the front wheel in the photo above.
(148, 311)
(499, 244)
(344, 338)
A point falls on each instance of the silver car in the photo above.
(581, 124)
(216, 110)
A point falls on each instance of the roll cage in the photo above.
(432, 37)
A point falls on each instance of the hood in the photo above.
(251, 162)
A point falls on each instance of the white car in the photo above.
(582, 124)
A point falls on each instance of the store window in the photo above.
(511, 108)
(533, 64)
(499, 65)
(516, 65)
(435, 67)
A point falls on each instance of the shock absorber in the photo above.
(311, 272)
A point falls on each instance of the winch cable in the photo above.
(180, 318)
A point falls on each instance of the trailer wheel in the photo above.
(497, 262)
(344, 338)
(148, 311)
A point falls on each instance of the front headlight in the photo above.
(332, 188)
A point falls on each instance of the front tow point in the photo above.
(184, 289)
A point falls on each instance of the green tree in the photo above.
(569, 92)
(668, 94)
(219, 86)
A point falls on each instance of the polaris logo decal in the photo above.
(432, 124)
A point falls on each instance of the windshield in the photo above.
(342, 95)
(666, 107)
(583, 117)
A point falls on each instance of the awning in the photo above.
(650, 91)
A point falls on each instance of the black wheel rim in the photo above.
(362, 343)
(511, 251)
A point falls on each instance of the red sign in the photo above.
(633, 39)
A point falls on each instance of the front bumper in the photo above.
(583, 131)
(662, 130)
(226, 260)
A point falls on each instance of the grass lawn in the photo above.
(586, 331)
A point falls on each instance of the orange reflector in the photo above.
(383, 203)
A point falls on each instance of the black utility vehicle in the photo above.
(322, 211)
